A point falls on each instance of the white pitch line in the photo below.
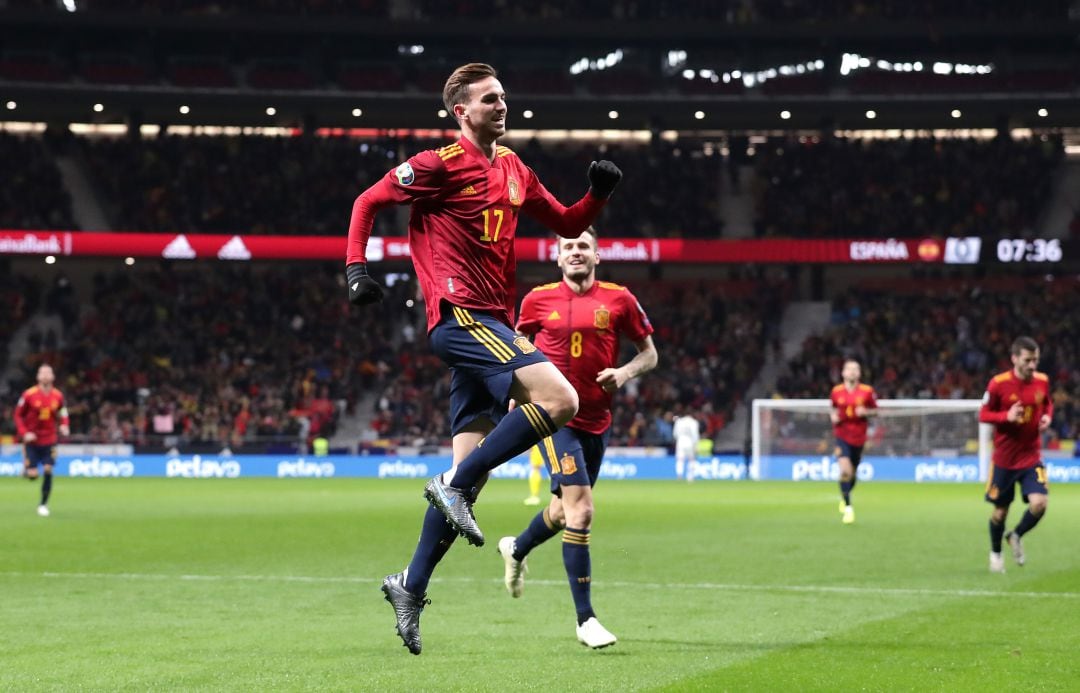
(709, 586)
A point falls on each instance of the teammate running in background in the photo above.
(536, 477)
(39, 416)
(852, 404)
(1018, 403)
(578, 322)
(687, 433)
(466, 199)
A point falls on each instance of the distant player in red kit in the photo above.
(1018, 403)
(40, 416)
(578, 323)
(852, 403)
(465, 202)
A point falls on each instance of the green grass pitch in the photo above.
(266, 584)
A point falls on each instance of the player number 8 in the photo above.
(575, 344)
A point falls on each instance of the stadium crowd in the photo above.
(711, 336)
(33, 195)
(217, 355)
(944, 339)
(306, 185)
(902, 188)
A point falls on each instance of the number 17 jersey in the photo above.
(463, 223)
(580, 334)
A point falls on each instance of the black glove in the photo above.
(603, 177)
(363, 290)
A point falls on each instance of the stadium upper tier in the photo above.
(802, 187)
(903, 187)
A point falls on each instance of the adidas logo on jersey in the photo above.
(554, 315)
(469, 190)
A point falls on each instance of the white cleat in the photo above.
(1017, 547)
(849, 516)
(592, 634)
(514, 576)
(532, 500)
(43, 510)
(997, 562)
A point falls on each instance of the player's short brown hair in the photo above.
(1023, 344)
(590, 230)
(456, 89)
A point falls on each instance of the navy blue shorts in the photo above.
(33, 455)
(852, 452)
(573, 457)
(1001, 488)
(483, 354)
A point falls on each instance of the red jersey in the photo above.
(852, 429)
(580, 334)
(1016, 445)
(40, 412)
(463, 221)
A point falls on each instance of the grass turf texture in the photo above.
(171, 584)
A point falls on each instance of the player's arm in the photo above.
(645, 360)
(419, 177)
(992, 412)
(22, 431)
(869, 407)
(834, 409)
(1048, 411)
(570, 222)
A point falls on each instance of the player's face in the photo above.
(1026, 362)
(485, 111)
(45, 376)
(851, 372)
(577, 256)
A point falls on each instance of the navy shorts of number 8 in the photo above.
(852, 452)
(1001, 488)
(573, 457)
(483, 354)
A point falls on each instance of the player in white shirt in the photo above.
(687, 432)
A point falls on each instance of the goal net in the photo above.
(909, 440)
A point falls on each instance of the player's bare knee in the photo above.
(561, 404)
(1037, 506)
(999, 515)
(556, 516)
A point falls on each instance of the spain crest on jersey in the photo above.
(514, 191)
(601, 318)
(524, 345)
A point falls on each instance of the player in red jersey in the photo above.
(40, 418)
(852, 403)
(1018, 403)
(466, 199)
(578, 322)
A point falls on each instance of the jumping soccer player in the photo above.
(1018, 403)
(578, 322)
(466, 198)
(852, 403)
(39, 416)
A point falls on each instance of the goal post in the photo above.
(909, 439)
